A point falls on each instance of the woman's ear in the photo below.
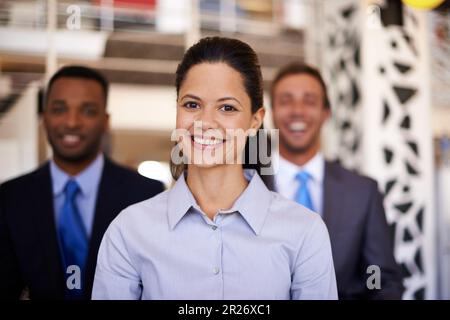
(258, 118)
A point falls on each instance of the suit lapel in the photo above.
(44, 220)
(332, 200)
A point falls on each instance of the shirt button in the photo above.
(216, 270)
(213, 227)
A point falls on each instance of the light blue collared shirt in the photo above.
(88, 180)
(264, 247)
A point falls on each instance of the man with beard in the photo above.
(52, 220)
(350, 204)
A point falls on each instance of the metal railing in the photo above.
(227, 16)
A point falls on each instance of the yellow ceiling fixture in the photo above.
(423, 4)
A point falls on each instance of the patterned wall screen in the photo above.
(379, 79)
(342, 71)
(397, 142)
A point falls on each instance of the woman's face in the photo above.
(214, 115)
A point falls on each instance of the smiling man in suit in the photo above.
(52, 220)
(350, 204)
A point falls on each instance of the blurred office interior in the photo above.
(386, 63)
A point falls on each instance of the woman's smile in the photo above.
(203, 143)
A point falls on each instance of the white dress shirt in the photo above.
(287, 185)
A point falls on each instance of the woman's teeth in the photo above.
(207, 142)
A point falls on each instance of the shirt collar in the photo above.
(253, 204)
(315, 167)
(88, 179)
(180, 201)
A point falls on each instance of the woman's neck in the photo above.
(216, 187)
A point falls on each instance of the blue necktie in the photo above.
(302, 196)
(73, 240)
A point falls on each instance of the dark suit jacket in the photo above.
(354, 214)
(28, 240)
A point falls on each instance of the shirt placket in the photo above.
(217, 268)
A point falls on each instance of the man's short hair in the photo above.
(299, 68)
(79, 72)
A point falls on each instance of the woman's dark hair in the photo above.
(239, 56)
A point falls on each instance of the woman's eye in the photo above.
(191, 105)
(227, 108)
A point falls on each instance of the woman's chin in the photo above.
(207, 159)
(207, 163)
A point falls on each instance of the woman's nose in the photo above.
(208, 118)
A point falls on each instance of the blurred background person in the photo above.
(350, 204)
(53, 219)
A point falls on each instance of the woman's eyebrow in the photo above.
(191, 96)
(229, 98)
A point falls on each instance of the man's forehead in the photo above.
(303, 91)
(299, 83)
(76, 91)
(76, 81)
(73, 87)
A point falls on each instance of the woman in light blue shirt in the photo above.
(219, 233)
